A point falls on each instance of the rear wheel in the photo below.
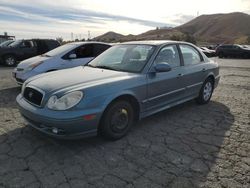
(117, 120)
(10, 60)
(206, 92)
(221, 55)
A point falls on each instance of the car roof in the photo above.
(88, 42)
(155, 42)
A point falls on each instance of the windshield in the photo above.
(61, 49)
(127, 58)
(6, 43)
(16, 43)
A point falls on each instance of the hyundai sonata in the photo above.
(127, 82)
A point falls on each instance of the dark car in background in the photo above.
(24, 49)
(233, 50)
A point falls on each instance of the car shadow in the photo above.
(174, 147)
(8, 97)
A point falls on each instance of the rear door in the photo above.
(194, 70)
(165, 87)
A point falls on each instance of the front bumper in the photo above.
(69, 124)
(20, 76)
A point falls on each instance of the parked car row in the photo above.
(125, 83)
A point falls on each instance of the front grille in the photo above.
(33, 96)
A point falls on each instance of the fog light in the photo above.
(55, 130)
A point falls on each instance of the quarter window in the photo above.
(190, 55)
(170, 55)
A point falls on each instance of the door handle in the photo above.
(203, 70)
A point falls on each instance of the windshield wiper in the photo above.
(105, 67)
(89, 65)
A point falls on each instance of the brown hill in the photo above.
(157, 34)
(109, 37)
(214, 28)
(218, 28)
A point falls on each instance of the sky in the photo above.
(62, 18)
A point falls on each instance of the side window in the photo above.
(170, 55)
(236, 47)
(27, 44)
(190, 55)
(84, 51)
(99, 48)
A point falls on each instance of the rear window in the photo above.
(44, 46)
(52, 44)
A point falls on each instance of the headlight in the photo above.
(65, 102)
(34, 65)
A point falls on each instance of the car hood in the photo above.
(26, 63)
(76, 78)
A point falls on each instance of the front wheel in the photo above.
(117, 120)
(206, 92)
(10, 60)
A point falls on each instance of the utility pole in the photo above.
(72, 36)
(89, 35)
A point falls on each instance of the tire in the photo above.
(221, 55)
(10, 60)
(205, 92)
(117, 120)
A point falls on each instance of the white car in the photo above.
(66, 56)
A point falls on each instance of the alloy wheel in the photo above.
(208, 88)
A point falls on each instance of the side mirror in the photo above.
(72, 56)
(162, 67)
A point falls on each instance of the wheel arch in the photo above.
(51, 70)
(127, 97)
(210, 76)
(9, 54)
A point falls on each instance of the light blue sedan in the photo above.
(127, 82)
(66, 56)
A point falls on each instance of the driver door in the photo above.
(165, 88)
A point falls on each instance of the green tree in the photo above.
(59, 39)
(190, 38)
(175, 37)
